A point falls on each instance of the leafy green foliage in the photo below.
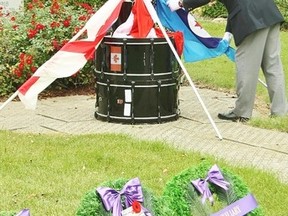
(183, 199)
(214, 10)
(283, 6)
(217, 9)
(28, 39)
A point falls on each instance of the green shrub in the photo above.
(283, 6)
(214, 10)
(217, 9)
(94, 3)
(28, 39)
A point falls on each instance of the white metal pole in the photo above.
(262, 82)
(156, 20)
(9, 100)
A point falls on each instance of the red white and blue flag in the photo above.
(198, 43)
(71, 57)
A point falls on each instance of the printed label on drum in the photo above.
(127, 109)
(128, 97)
(115, 58)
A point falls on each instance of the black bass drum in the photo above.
(137, 80)
(142, 101)
(122, 59)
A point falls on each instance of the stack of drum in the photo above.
(137, 80)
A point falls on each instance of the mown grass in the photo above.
(49, 174)
(219, 74)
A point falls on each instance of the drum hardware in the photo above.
(142, 87)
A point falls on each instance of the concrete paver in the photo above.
(241, 144)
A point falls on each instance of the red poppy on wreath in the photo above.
(136, 207)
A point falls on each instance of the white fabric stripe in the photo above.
(196, 28)
(99, 18)
(62, 64)
(31, 96)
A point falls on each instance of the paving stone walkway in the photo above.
(241, 144)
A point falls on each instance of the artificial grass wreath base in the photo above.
(180, 195)
(92, 205)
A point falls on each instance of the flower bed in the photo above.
(30, 38)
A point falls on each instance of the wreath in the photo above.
(183, 196)
(92, 203)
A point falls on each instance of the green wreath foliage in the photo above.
(183, 199)
(91, 204)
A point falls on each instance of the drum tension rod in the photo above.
(158, 101)
(132, 102)
(125, 59)
(103, 61)
(108, 101)
(152, 58)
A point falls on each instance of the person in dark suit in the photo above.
(255, 26)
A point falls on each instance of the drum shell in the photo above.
(139, 59)
(137, 80)
(141, 101)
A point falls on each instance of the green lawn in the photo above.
(50, 174)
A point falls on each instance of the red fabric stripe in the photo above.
(26, 86)
(78, 46)
(143, 22)
(178, 39)
(88, 47)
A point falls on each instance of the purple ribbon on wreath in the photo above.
(132, 191)
(214, 176)
(24, 212)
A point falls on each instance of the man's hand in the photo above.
(174, 4)
(228, 37)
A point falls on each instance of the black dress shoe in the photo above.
(232, 117)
